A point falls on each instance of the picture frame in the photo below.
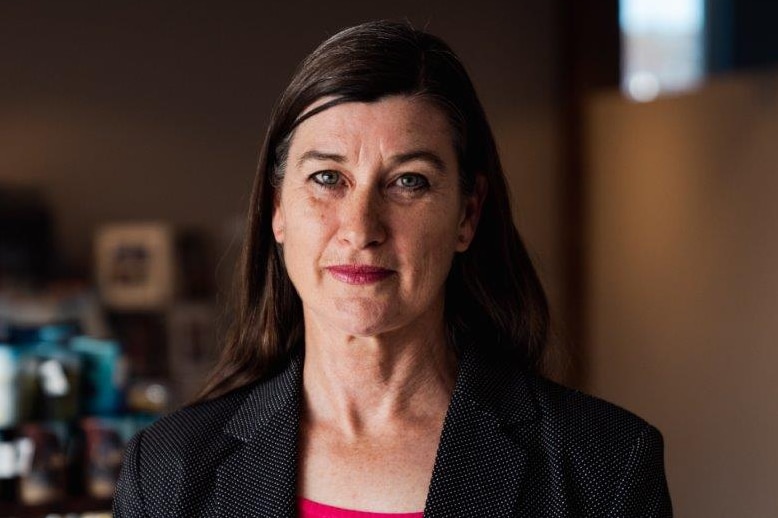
(135, 265)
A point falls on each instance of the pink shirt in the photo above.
(311, 509)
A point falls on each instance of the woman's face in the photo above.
(370, 215)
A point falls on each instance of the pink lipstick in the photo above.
(359, 274)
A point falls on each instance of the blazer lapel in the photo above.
(482, 459)
(259, 478)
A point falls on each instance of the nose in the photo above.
(361, 222)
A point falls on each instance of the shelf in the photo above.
(68, 505)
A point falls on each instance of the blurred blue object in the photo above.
(103, 375)
(9, 372)
(57, 333)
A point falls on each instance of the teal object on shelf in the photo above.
(103, 375)
(9, 393)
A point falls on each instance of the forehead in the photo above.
(393, 124)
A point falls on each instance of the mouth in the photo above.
(359, 273)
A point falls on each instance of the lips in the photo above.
(359, 274)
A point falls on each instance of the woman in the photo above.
(390, 327)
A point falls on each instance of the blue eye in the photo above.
(412, 182)
(326, 178)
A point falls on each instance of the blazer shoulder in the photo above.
(198, 437)
(188, 428)
(162, 463)
(578, 418)
(614, 459)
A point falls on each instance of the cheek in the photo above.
(305, 216)
(432, 249)
(307, 225)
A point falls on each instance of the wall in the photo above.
(684, 286)
(153, 110)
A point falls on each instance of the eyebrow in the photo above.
(426, 156)
(321, 156)
(421, 154)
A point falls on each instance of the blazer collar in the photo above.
(483, 456)
(259, 477)
(277, 394)
(496, 386)
(480, 467)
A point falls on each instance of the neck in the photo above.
(361, 385)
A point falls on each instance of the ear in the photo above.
(471, 213)
(279, 221)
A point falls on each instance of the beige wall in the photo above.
(683, 248)
(154, 110)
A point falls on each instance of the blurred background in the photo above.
(640, 139)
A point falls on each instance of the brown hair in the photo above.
(493, 295)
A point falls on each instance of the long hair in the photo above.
(493, 295)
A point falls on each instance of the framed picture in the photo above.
(135, 265)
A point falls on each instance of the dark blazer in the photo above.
(513, 444)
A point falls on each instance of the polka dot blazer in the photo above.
(513, 445)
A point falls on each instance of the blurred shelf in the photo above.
(69, 505)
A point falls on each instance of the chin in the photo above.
(364, 318)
